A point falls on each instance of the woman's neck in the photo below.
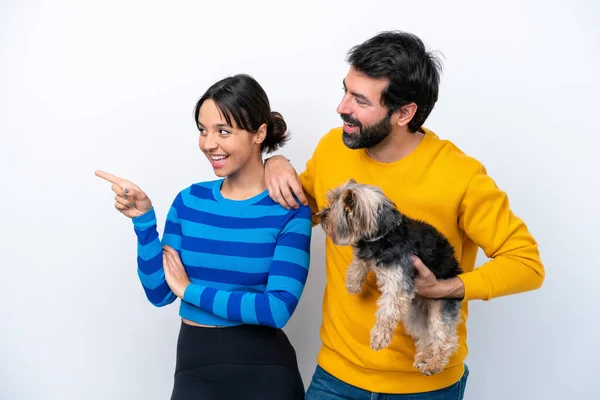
(246, 182)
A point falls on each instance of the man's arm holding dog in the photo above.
(486, 218)
(514, 265)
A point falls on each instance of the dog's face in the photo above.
(357, 212)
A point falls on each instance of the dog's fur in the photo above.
(383, 240)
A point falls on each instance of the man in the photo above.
(390, 89)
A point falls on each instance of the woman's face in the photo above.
(227, 148)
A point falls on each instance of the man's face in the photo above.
(366, 121)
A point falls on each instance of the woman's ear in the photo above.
(261, 134)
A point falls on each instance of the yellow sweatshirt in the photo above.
(439, 184)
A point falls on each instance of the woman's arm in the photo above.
(150, 253)
(285, 284)
(133, 202)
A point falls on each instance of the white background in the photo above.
(111, 85)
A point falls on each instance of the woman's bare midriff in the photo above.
(192, 323)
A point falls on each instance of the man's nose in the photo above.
(344, 106)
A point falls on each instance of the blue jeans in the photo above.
(324, 386)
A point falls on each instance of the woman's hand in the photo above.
(130, 200)
(175, 274)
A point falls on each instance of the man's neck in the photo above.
(396, 146)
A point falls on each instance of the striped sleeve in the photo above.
(285, 283)
(149, 253)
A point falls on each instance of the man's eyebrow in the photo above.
(357, 95)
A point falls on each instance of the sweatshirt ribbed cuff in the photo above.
(476, 286)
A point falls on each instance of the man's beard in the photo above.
(366, 137)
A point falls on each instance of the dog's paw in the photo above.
(355, 278)
(380, 338)
(419, 360)
(429, 366)
(354, 287)
(428, 370)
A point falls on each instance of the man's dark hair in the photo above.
(413, 72)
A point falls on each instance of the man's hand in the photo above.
(280, 177)
(427, 285)
(175, 274)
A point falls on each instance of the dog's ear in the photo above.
(351, 180)
(348, 200)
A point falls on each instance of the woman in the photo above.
(237, 260)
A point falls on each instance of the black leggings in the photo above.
(240, 362)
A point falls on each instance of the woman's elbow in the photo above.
(160, 300)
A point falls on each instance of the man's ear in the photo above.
(261, 134)
(405, 114)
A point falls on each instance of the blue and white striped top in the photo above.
(248, 260)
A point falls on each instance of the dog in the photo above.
(383, 241)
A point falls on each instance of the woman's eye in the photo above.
(224, 132)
